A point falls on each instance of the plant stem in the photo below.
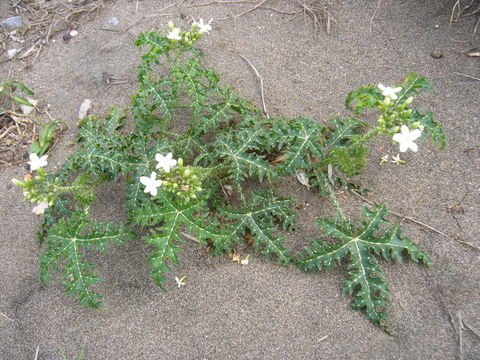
(371, 133)
(331, 193)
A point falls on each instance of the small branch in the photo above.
(400, 215)
(468, 76)
(261, 85)
(472, 329)
(219, 2)
(418, 222)
(154, 14)
(323, 338)
(6, 317)
(190, 237)
(377, 7)
(460, 335)
(250, 10)
(36, 353)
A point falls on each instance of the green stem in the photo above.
(331, 193)
(371, 133)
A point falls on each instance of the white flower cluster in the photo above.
(198, 28)
(151, 183)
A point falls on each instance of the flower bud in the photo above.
(409, 100)
(170, 25)
(18, 182)
(180, 162)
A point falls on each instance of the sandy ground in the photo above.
(263, 311)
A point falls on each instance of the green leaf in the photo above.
(411, 85)
(21, 100)
(431, 127)
(301, 139)
(366, 280)
(365, 96)
(169, 213)
(64, 247)
(237, 152)
(104, 150)
(350, 160)
(259, 217)
(342, 130)
(15, 82)
(44, 138)
(196, 81)
(153, 105)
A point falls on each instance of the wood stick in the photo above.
(249, 10)
(261, 86)
(400, 215)
(468, 76)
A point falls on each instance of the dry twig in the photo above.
(400, 215)
(377, 7)
(218, 2)
(190, 237)
(6, 317)
(460, 334)
(468, 76)
(251, 9)
(408, 218)
(472, 329)
(261, 85)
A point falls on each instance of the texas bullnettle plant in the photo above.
(215, 179)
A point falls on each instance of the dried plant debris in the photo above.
(22, 129)
(462, 8)
(16, 134)
(41, 20)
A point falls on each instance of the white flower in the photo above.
(39, 209)
(406, 138)
(397, 160)
(36, 162)
(389, 92)
(384, 159)
(245, 261)
(180, 282)
(165, 162)
(151, 183)
(202, 27)
(174, 34)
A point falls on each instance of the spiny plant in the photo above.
(202, 180)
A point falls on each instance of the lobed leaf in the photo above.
(366, 281)
(257, 218)
(64, 245)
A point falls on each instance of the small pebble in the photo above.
(436, 26)
(436, 54)
(84, 108)
(113, 21)
(12, 52)
(73, 33)
(12, 22)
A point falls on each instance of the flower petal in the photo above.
(415, 134)
(398, 138)
(404, 146)
(405, 130)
